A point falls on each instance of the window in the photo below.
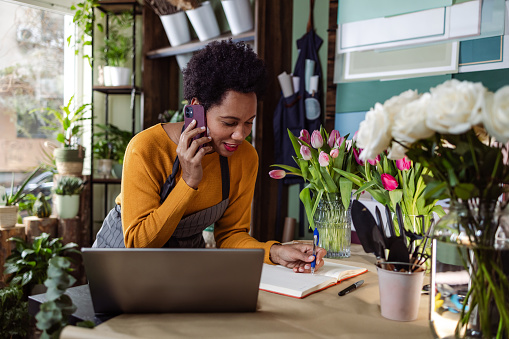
(36, 70)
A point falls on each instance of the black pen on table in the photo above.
(351, 288)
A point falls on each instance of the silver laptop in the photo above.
(173, 280)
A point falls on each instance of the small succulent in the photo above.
(69, 186)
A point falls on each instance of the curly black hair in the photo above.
(220, 67)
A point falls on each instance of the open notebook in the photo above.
(282, 280)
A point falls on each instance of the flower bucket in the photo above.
(334, 224)
(8, 216)
(176, 28)
(239, 15)
(204, 21)
(66, 206)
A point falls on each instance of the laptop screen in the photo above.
(173, 280)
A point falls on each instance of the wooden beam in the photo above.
(160, 79)
(330, 98)
(274, 46)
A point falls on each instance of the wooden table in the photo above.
(320, 315)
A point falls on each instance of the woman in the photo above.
(215, 175)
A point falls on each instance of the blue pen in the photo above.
(316, 237)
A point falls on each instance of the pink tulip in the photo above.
(323, 159)
(305, 152)
(403, 164)
(333, 137)
(277, 174)
(304, 136)
(354, 139)
(334, 153)
(316, 139)
(356, 155)
(389, 182)
(375, 161)
(339, 141)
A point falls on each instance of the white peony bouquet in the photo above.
(458, 130)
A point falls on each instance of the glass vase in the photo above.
(469, 275)
(333, 222)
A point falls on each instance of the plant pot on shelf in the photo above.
(204, 21)
(8, 216)
(176, 28)
(104, 168)
(183, 59)
(66, 206)
(117, 76)
(117, 170)
(239, 15)
(69, 161)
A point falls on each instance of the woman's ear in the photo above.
(194, 101)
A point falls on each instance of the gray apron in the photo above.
(189, 230)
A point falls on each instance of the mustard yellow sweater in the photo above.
(148, 163)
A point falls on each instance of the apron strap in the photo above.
(170, 182)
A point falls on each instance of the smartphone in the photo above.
(195, 112)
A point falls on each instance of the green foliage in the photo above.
(68, 121)
(14, 198)
(28, 263)
(117, 46)
(14, 317)
(462, 167)
(27, 203)
(42, 208)
(69, 186)
(54, 313)
(84, 18)
(112, 142)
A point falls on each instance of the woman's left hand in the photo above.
(297, 256)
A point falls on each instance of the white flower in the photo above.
(455, 106)
(374, 134)
(496, 117)
(396, 151)
(410, 122)
(395, 104)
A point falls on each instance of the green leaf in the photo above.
(435, 190)
(305, 197)
(465, 191)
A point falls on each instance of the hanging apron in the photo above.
(189, 230)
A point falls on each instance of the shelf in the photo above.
(119, 6)
(106, 181)
(116, 89)
(196, 45)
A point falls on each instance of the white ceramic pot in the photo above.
(66, 206)
(239, 15)
(176, 28)
(204, 21)
(117, 76)
(183, 59)
(8, 216)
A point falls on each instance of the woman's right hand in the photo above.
(189, 155)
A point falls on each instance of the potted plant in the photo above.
(14, 317)
(9, 201)
(67, 122)
(111, 145)
(67, 196)
(28, 263)
(116, 50)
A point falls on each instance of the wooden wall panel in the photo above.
(330, 98)
(274, 46)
